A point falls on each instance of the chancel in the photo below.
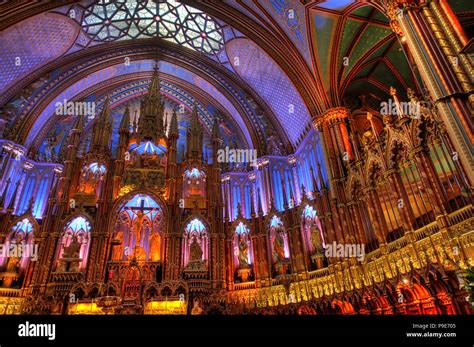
(236, 157)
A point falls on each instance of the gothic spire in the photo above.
(260, 208)
(11, 205)
(125, 122)
(321, 178)
(303, 192)
(315, 184)
(194, 136)
(215, 128)
(102, 130)
(252, 207)
(165, 126)
(285, 200)
(154, 88)
(292, 197)
(150, 123)
(31, 203)
(79, 124)
(174, 123)
(4, 195)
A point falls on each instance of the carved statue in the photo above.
(155, 246)
(138, 227)
(195, 253)
(278, 246)
(197, 309)
(13, 264)
(243, 252)
(117, 253)
(70, 259)
(72, 251)
(316, 240)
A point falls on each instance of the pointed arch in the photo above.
(243, 252)
(196, 230)
(77, 228)
(138, 227)
(21, 249)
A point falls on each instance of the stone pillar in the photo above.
(338, 152)
(444, 68)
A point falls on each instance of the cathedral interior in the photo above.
(236, 157)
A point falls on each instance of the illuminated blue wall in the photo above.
(34, 181)
(308, 155)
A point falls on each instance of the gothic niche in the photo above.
(313, 237)
(243, 252)
(196, 248)
(18, 251)
(74, 246)
(148, 155)
(138, 232)
(145, 164)
(279, 246)
(194, 186)
(92, 178)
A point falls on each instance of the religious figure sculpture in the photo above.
(243, 252)
(72, 251)
(196, 263)
(155, 246)
(281, 263)
(197, 309)
(195, 251)
(11, 272)
(278, 246)
(70, 259)
(13, 264)
(318, 250)
(138, 227)
(117, 253)
(315, 236)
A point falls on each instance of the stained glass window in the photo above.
(194, 173)
(241, 229)
(78, 224)
(275, 221)
(96, 167)
(309, 212)
(23, 226)
(149, 148)
(195, 227)
(143, 203)
(108, 20)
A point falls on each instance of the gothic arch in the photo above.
(370, 171)
(142, 236)
(31, 219)
(201, 237)
(21, 233)
(82, 233)
(397, 148)
(121, 201)
(193, 216)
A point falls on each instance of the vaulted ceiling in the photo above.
(262, 66)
